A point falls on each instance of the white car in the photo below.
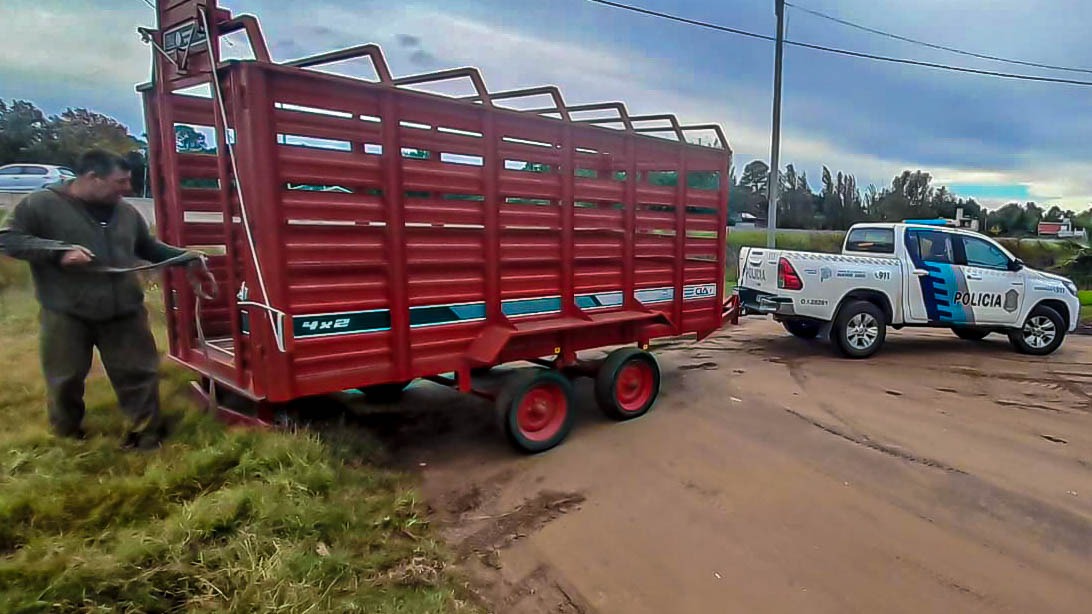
(25, 178)
(909, 274)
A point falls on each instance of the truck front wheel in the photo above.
(1042, 333)
(805, 329)
(859, 330)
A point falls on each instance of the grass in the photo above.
(1086, 305)
(217, 520)
(806, 241)
(830, 242)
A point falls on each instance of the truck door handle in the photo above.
(1017, 283)
(921, 272)
(974, 277)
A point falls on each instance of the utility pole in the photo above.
(775, 146)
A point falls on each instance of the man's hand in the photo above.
(202, 280)
(77, 256)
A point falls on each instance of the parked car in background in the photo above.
(25, 178)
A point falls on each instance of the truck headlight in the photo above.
(1072, 287)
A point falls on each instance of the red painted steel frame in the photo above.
(416, 203)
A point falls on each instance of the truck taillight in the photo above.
(787, 278)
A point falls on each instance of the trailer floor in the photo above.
(940, 476)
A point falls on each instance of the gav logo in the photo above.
(977, 299)
(187, 35)
(825, 273)
(701, 291)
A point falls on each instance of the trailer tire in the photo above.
(536, 410)
(804, 329)
(1042, 332)
(384, 393)
(859, 330)
(627, 383)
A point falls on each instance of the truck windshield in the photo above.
(873, 240)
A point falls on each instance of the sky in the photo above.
(992, 139)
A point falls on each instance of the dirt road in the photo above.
(940, 476)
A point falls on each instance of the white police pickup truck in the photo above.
(908, 274)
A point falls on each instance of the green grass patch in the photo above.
(830, 242)
(216, 520)
(1085, 297)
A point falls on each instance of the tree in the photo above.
(27, 135)
(1055, 214)
(796, 203)
(189, 140)
(22, 130)
(1014, 219)
(756, 177)
(914, 186)
(77, 130)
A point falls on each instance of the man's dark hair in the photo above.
(100, 163)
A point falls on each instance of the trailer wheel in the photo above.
(535, 409)
(627, 383)
(384, 393)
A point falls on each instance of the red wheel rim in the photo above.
(542, 411)
(633, 387)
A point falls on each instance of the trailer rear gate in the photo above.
(401, 234)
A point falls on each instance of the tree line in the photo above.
(29, 135)
(839, 202)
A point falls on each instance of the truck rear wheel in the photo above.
(805, 329)
(627, 383)
(859, 330)
(1041, 334)
(535, 409)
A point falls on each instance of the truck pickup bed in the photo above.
(895, 275)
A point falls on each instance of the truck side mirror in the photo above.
(1016, 265)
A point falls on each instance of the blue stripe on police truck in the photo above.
(378, 320)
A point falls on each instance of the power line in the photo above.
(844, 52)
(915, 41)
(693, 22)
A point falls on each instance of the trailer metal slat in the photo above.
(390, 234)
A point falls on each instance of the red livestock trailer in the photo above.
(367, 233)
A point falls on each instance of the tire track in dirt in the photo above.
(863, 440)
(502, 529)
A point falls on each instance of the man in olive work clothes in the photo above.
(69, 233)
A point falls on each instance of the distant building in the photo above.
(958, 221)
(1062, 230)
(746, 220)
(969, 223)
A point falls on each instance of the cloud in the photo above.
(863, 118)
(421, 57)
(78, 54)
